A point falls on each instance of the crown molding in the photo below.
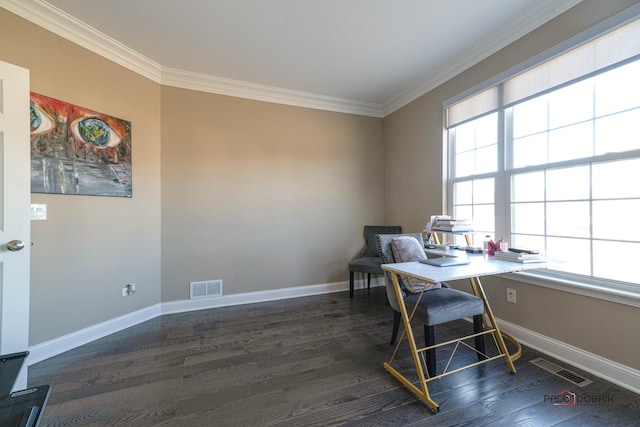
(60, 23)
(241, 89)
(520, 25)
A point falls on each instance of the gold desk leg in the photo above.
(476, 285)
(423, 393)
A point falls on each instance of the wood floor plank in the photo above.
(310, 361)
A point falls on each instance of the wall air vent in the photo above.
(559, 371)
(205, 289)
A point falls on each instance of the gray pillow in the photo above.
(408, 249)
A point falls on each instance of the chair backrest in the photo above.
(370, 232)
(383, 245)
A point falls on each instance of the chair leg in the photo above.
(477, 328)
(396, 326)
(429, 340)
(350, 284)
(368, 280)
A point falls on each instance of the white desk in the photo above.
(478, 267)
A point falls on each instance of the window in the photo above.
(549, 158)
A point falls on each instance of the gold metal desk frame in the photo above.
(480, 266)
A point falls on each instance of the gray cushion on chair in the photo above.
(369, 260)
(463, 304)
(447, 304)
(408, 249)
(367, 265)
(370, 232)
(383, 242)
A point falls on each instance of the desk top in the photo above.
(479, 266)
(451, 253)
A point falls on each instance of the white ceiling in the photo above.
(364, 56)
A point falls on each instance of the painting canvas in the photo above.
(75, 150)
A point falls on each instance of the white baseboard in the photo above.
(609, 370)
(54, 347)
(251, 297)
(262, 296)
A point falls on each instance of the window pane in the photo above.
(476, 145)
(571, 104)
(618, 133)
(571, 255)
(527, 218)
(616, 220)
(570, 219)
(487, 159)
(474, 200)
(616, 260)
(484, 219)
(571, 142)
(527, 187)
(487, 130)
(477, 133)
(463, 212)
(568, 183)
(531, 150)
(484, 190)
(616, 179)
(618, 89)
(530, 117)
(465, 163)
(465, 137)
(524, 241)
(463, 193)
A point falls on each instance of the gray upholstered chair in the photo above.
(368, 261)
(437, 306)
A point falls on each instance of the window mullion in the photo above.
(503, 183)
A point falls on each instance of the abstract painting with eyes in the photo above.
(75, 150)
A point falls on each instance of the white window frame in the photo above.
(619, 292)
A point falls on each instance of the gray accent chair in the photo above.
(437, 306)
(368, 260)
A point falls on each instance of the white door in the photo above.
(15, 194)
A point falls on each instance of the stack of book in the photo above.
(520, 255)
(452, 225)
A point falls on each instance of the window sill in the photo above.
(621, 293)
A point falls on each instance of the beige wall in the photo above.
(263, 196)
(90, 247)
(413, 159)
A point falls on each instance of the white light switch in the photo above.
(38, 212)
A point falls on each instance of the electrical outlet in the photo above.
(511, 295)
(130, 289)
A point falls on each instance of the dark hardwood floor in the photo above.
(300, 362)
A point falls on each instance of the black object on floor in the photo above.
(22, 408)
